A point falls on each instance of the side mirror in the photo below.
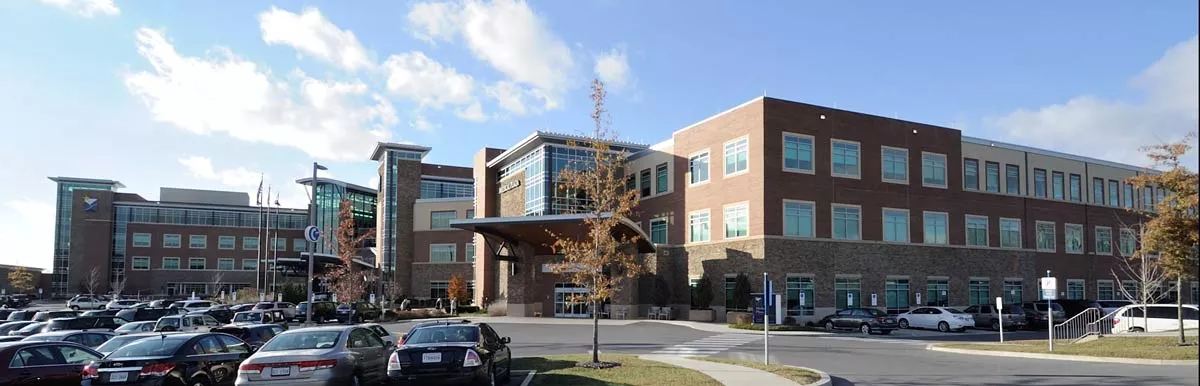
(506, 340)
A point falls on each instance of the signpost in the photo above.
(312, 233)
(1000, 315)
(768, 298)
(874, 300)
(1049, 292)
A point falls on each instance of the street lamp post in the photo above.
(312, 245)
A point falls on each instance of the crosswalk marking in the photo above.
(709, 345)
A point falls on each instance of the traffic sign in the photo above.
(312, 233)
(999, 303)
(1049, 288)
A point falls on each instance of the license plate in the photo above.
(889, 320)
(281, 371)
(431, 357)
(118, 377)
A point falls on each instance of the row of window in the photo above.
(647, 184)
(1058, 185)
(217, 218)
(143, 263)
(441, 219)
(447, 253)
(446, 189)
(249, 243)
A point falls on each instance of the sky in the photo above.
(224, 94)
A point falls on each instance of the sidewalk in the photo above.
(702, 326)
(729, 375)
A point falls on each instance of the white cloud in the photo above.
(509, 96)
(229, 95)
(373, 182)
(202, 168)
(27, 232)
(423, 124)
(612, 68)
(311, 33)
(427, 82)
(86, 8)
(435, 21)
(473, 113)
(1114, 130)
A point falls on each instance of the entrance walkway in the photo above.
(729, 375)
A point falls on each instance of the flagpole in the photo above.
(271, 239)
(275, 256)
(258, 253)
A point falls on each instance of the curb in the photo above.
(725, 329)
(1060, 357)
(825, 378)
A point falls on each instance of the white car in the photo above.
(941, 318)
(186, 323)
(85, 302)
(193, 305)
(1157, 318)
(120, 304)
(1108, 306)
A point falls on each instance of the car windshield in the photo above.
(953, 311)
(303, 340)
(116, 342)
(443, 334)
(152, 347)
(132, 326)
(32, 327)
(264, 306)
(247, 317)
(163, 322)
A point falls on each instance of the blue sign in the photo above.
(312, 233)
(770, 295)
(760, 310)
(89, 203)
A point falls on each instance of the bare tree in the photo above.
(347, 280)
(92, 281)
(1141, 267)
(118, 286)
(217, 278)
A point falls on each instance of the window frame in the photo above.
(1020, 233)
(1096, 240)
(171, 258)
(433, 219)
(246, 267)
(1037, 231)
(202, 260)
(1045, 192)
(745, 206)
(907, 224)
(967, 161)
(232, 263)
(665, 221)
(226, 237)
(987, 167)
(833, 221)
(945, 170)
(883, 162)
(1058, 185)
(707, 220)
(1066, 236)
(987, 229)
(812, 220)
(707, 155)
(134, 263)
(178, 240)
(662, 182)
(725, 156)
(134, 240)
(192, 241)
(453, 252)
(812, 156)
(1074, 187)
(857, 162)
(925, 224)
(1121, 241)
(1012, 189)
(1098, 193)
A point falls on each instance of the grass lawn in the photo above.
(774, 327)
(1117, 347)
(800, 376)
(560, 370)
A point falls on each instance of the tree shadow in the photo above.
(540, 364)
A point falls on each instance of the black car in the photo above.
(219, 312)
(241, 307)
(1072, 307)
(149, 313)
(4, 312)
(323, 311)
(362, 311)
(172, 359)
(104, 312)
(431, 323)
(865, 320)
(462, 353)
(104, 323)
(17, 316)
(91, 339)
(255, 335)
(7, 327)
(43, 363)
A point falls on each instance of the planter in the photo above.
(700, 315)
(738, 317)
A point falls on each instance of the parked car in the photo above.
(100, 323)
(943, 319)
(331, 355)
(192, 305)
(120, 304)
(462, 353)
(84, 302)
(1072, 307)
(985, 315)
(29, 329)
(10, 338)
(383, 333)
(43, 363)
(246, 318)
(17, 316)
(161, 303)
(104, 312)
(186, 323)
(140, 305)
(121, 340)
(45, 316)
(865, 320)
(90, 339)
(362, 311)
(242, 307)
(431, 323)
(254, 335)
(289, 309)
(150, 313)
(172, 359)
(219, 312)
(15, 301)
(13, 326)
(135, 327)
(1109, 306)
(1035, 314)
(323, 311)
(4, 312)
(1155, 318)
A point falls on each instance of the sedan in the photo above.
(14, 326)
(29, 329)
(91, 339)
(135, 327)
(452, 354)
(865, 320)
(119, 341)
(43, 363)
(172, 359)
(332, 355)
(942, 318)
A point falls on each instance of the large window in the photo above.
(1012, 179)
(1075, 289)
(439, 289)
(895, 225)
(1127, 194)
(658, 231)
(698, 226)
(797, 153)
(698, 168)
(895, 296)
(247, 264)
(1148, 198)
(1073, 238)
(1045, 236)
(170, 263)
(1013, 291)
(798, 219)
(895, 165)
(172, 241)
(795, 287)
(1129, 290)
(847, 292)
(937, 228)
(250, 243)
(660, 178)
(1010, 233)
(847, 222)
(845, 159)
(225, 264)
(1103, 241)
(1114, 197)
(441, 253)
(1075, 185)
(644, 180)
(1128, 242)
(1098, 191)
(226, 242)
(970, 174)
(933, 170)
(196, 263)
(737, 221)
(737, 156)
(299, 245)
(978, 292)
(470, 253)
(441, 219)
(992, 174)
(1057, 186)
(937, 293)
(977, 231)
(1104, 290)
(446, 189)
(1039, 183)
(141, 263)
(141, 240)
(279, 244)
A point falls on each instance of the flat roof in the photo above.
(305, 181)
(60, 180)
(526, 144)
(381, 147)
(1052, 153)
(177, 205)
(534, 230)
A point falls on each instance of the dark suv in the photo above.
(324, 311)
(255, 335)
(148, 314)
(104, 323)
(363, 311)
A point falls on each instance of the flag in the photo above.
(277, 198)
(260, 184)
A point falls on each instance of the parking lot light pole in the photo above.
(312, 245)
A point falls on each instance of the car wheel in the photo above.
(491, 376)
(1137, 329)
(829, 326)
(995, 325)
(943, 326)
(75, 308)
(903, 323)
(865, 329)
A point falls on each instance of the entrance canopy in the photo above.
(298, 266)
(504, 234)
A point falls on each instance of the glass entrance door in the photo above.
(564, 304)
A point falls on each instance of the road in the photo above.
(851, 359)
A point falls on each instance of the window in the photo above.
(1057, 185)
(847, 293)
(1012, 179)
(933, 170)
(441, 219)
(1103, 241)
(737, 156)
(1039, 183)
(1128, 196)
(470, 213)
(279, 244)
(698, 226)
(970, 174)
(979, 292)
(1075, 289)
(1076, 188)
(936, 228)
(299, 245)
(992, 174)
(1013, 291)
(844, 156)
(441, 253)
(141, 263)
(141, 240)
(225, 264)
(631, 183)
(439, 289)
(1114, 199)
(660, 178)
(847, 222)
(470, 253)
(737, 221)
(895, 296)
(895, 225)
(1148, 198)
(895, 165)
(172, 241)
(1010, 233)
(658, 231)
(977, 231)
(798, 218)
(698, 168)
(1128, 242)
(1098, 191)
(226, 242)
(644, 180)
(1129, 290)
(795, 287)
(196, 263)
(1104, 290)
(247, 264)
(730, 284)
(937, 292)
(250, 243)
(1045, 236)
(1073, 238)
(797, 153)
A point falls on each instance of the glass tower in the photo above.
(330, 194)
(65, 200)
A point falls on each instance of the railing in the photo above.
(1102, 326)
(1078, 326)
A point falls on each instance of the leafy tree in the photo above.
(457, 290)
(347, 280)
(702, 296)
(20, 279)
(598, 260)
(1172, 231)
(742, 292)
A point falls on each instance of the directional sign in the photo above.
(312, 233)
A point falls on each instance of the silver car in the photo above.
(135, 327)
(331, 355)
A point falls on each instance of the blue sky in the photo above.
(211, 94)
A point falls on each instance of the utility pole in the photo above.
(312, 245)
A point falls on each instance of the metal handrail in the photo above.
(1102, 326)
(1077, 326)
